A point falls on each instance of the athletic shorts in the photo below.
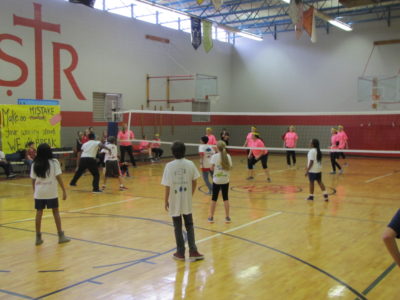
(252, 161)
(315, 176)
(224, 189)
(46, 203)
(112, 169)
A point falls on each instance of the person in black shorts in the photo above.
(391, 233)
(45, 174)
(111, 163)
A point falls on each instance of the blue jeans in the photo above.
(206, 179)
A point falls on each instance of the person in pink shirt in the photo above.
(256, 155)
(343, 142)
(334, 154)
(125, 144)
(212, 140)
(144, 146)
(290, 141)
(155, 146)
(249, 138)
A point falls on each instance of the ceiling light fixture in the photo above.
(227, 28)
(250, 35)
(335, 22)
(340, 25)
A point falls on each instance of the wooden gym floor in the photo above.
(278, 246)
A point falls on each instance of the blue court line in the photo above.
(95, 282)
(48, 271)
(270, 248)
(123, 263)
(86, 241)
(209, 230)
(15, 294)
(379, 279)
(103, 274)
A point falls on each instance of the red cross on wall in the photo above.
(38, 25)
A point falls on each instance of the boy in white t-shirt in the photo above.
(179, 179)
(111, 162)
(206, 152)
(314, 168)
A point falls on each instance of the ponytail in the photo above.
(315, 144)
(221, 146)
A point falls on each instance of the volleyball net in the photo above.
(369, 133)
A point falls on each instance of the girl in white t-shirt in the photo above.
(111, 164)
(314, 168)
(45, 174)
(221, 163)
(206, 152)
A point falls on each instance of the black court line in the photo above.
(378, 279)
(268, 247)
(354, 291)
(83, 240)
(15, 294)
(4, 271)
(49, 271)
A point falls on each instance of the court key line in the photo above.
(76, 210)
(379, 177)
(238, 227)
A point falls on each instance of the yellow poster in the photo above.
(21, 124)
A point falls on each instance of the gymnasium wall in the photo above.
(87, 50)
(289, 75)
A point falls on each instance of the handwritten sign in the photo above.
(21, 124)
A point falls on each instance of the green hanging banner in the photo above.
(207, 35)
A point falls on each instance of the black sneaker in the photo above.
(311, 198)
(72, 184)
(97, 191)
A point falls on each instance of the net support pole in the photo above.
(172, 122)
(129, 120)
(168, 91)
(141, 121)
(155, 121)
(148, 90)
(160, 127)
